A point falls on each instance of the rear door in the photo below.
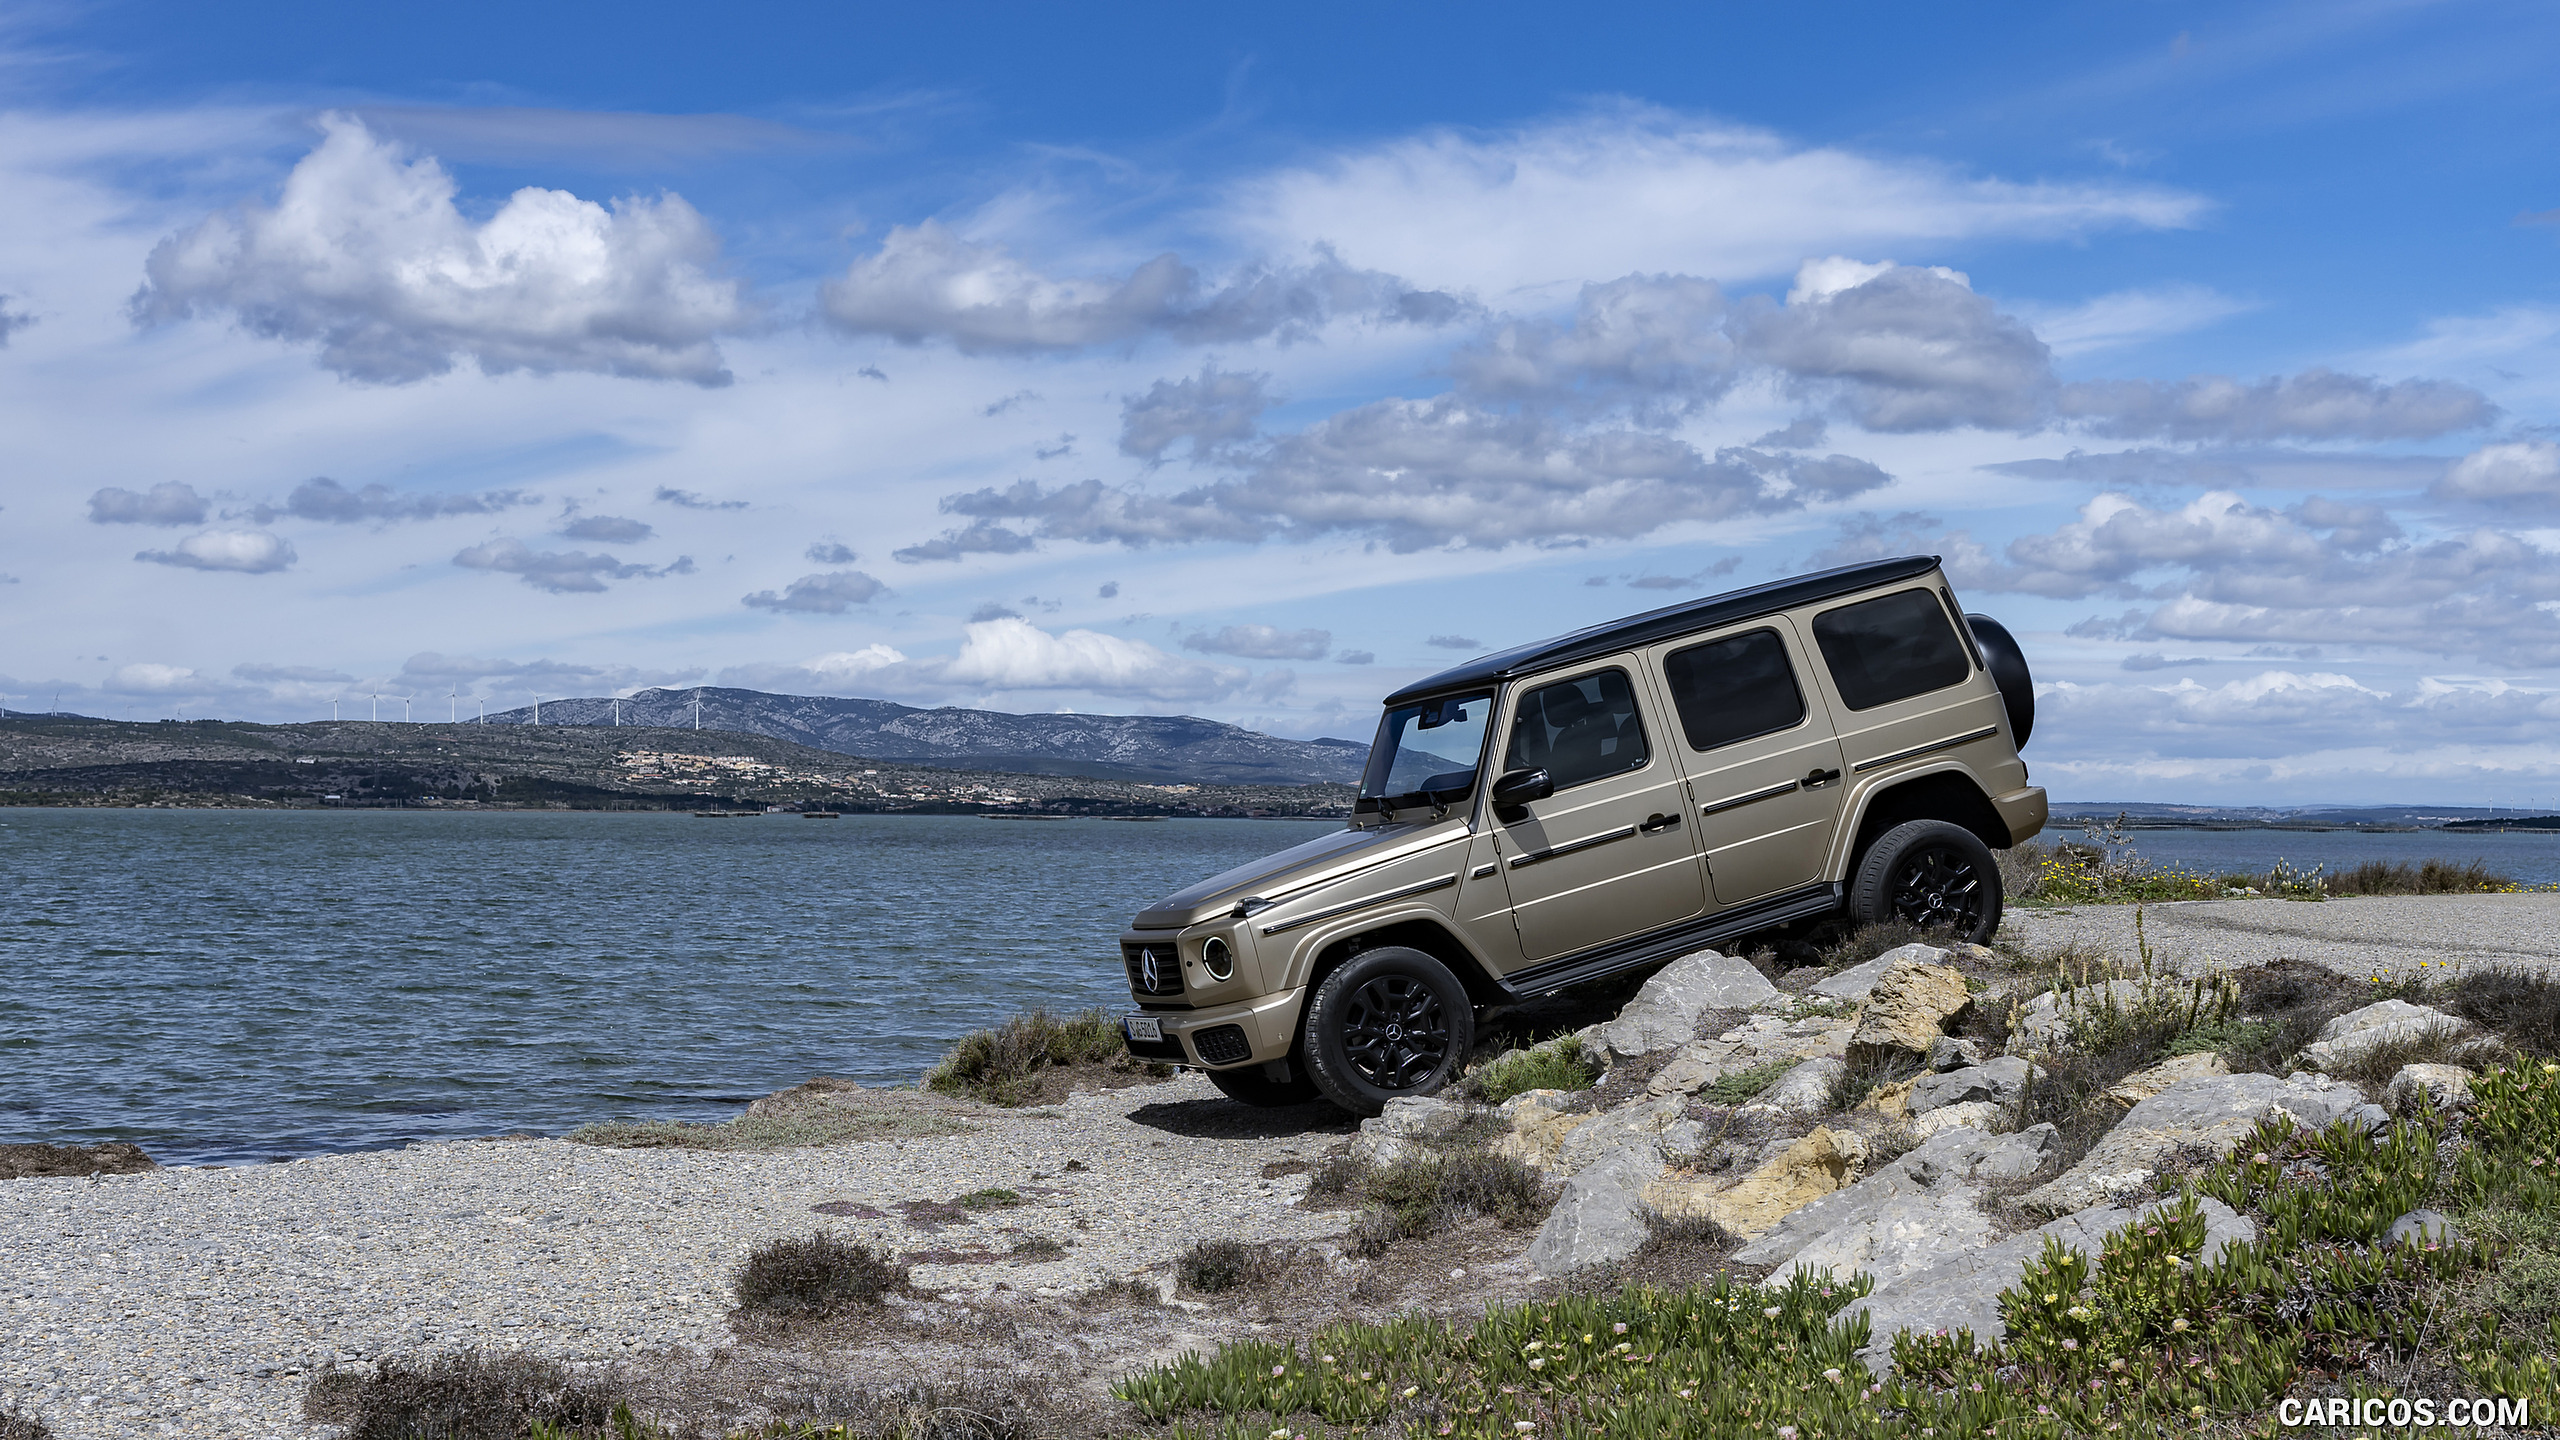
(1608, 854)
(1763, 763)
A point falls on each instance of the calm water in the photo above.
(238, 985)
(2533, 859)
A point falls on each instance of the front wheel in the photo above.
(1930, 874)
(1387, 1023)
(1249, 1085)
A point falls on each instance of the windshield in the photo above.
(1428, 751)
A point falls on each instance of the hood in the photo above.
(1328, 857)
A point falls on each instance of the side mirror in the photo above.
(1519, 787)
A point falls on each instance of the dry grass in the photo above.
(1213, 1267)
(771, 1132)
(17, 1424)
(2523, 1007)
(1035, 1058)
(2431, 877)
(813, 1276)
(466, 1396)
(38, 1162)
(1423, 1196)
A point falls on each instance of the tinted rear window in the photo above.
(1890, 649)
(1733, 689)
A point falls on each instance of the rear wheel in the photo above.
(1250, 1085)
(1387, 1023)
(1931, 874)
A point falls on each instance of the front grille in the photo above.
(1221, 1044)
(1168, 968)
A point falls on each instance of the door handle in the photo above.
(1819, 776)
(1656, 823)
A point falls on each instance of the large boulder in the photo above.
(1404, 1129)
(1600, 1217)
(1665, 1012)
(1805, 1090)
(2212, 1114)
(2133, 1089)
(1809, 1168)
(1949, 1052)
(1858, 981)
(2446, 1087)
(1903, 1013)
(1953, 1163)
(2000, 1081)
(1979, 1115)
(1656, 1126)
(2350, 1035)
(1960, 1290)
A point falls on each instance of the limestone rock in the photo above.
(1599, 1218)
(1893, 1102)
(2143, 1084)
(1810, 1168)
(1665, 1012)
(1898, 1236)
(2351, 1034)
(2446, 1087)
(1902, 1013)
(2214, 1113)
(2422, 1227)
(1961, 1290)
(1858, 981)
(1949, 1052)
(1539, 1124)
(1805, 1090)
(1999, 1081)
(1684, 1076)
(1979, 1115)
(1399, 1132)
(1654, 1126)
(1943, 1164)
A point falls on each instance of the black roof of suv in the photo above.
(1663, 624)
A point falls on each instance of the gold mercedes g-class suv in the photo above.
(1845, 741)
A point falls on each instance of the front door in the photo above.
(1763, 762)
(1608, 854)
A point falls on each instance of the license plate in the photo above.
(1146, 1027)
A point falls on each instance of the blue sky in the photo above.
(1180, 359)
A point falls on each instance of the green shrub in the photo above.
(1559, 1064)
(1741, 1085)
(1010, 1064)
(2431, 877)
(466, 1396)
(1213, 1267)
(813, 1275)
(1424, 1195)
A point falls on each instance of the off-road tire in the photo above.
(1931, 874)
(1248, 1085)
(1387, 1023)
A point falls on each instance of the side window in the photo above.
(1733, 689)
(1578, 730)
(1890, 649)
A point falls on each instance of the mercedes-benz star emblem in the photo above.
(1148, 975)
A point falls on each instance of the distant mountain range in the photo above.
(2152, 815)
(1153, 749)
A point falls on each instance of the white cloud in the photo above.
(2318, 404)
(1905, 348)
(1211, 411)
(149, 678)
(367, 254)
(828, 594)
(2129, 317)
(2514, 470)
(1014, 654)
(1628, 189)
(323, 499)
(1657, 346)
(561, 572)
(250, 552)
(1261, 642)
(170, 502)
(927, 282)
(609, 529)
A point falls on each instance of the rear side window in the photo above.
(1578, 730)
(1733, 689)
(1890, 649)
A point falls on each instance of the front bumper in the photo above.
(1264, 1028)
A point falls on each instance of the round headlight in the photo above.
(1217, 959)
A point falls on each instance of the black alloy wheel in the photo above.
(1931, 874)
(1386, 1023)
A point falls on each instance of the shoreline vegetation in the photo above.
(2106, 867)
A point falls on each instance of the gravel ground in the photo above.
(195, 1302)
(2357, 935)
